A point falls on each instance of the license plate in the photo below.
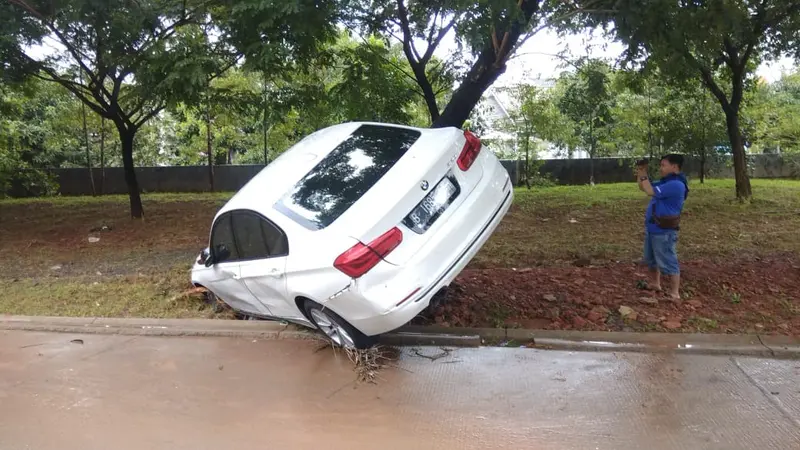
(421, 218)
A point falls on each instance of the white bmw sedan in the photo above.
(356, 228)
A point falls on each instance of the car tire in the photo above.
(336, 329)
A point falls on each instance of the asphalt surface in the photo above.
(127, 392)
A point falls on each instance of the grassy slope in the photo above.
(138, 268)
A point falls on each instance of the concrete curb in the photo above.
(155, 327)
(782, 347)
(251, 329)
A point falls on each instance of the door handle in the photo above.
(233, 275)
(275, 273)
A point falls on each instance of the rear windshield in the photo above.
(345, 175)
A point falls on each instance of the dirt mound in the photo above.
(752, 296)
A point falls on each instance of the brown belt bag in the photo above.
(665, 222)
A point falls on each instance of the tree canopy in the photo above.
(718, 42)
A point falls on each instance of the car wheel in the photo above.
(337, 329)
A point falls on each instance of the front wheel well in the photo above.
(300, 301)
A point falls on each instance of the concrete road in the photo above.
(120, 392)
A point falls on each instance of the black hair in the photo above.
(674, 158)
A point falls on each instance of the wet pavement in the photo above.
(126, 392)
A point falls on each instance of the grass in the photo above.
(139, 268)
(558, 225)
(155, 295)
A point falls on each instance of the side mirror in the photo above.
(221, 253)
(205, 257)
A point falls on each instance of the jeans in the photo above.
(660, 252)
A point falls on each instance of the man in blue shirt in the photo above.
(662, 220)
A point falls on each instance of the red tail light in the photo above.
(470, 151)
(362, 258)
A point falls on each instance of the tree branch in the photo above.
(408, 38)
(711, 84)
(142, 120)
(433, 26)
(435, 43)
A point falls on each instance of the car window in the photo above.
(345, 175)
(223, 244)
(249, 237)
(277, 244)
(258, 238)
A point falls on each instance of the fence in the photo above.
(232, 177)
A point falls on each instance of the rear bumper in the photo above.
(440, 271)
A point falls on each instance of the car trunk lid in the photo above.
(416, 195)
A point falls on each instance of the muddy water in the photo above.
(207, 393)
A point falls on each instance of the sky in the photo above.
(535, 58)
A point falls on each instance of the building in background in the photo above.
(494, 109)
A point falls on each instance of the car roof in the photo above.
(274, 180)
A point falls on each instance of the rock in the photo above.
(759, 327)
(549, 297)
(513, 298)
(595, 316)
(573, 221)
(602, 310)
(648, 300)
(578, 322)
(93, 239)
(672, 324)
(628, 313)
(651, 320)
(784, 327)
(580, 281)
(56, 267)
(525, 270)
(695, 303)
(480, 295)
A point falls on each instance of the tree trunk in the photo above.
(482, 74)
(126, 139)
(264, 121)
(88, 149)
(489, 65)
(527, 164)
(703, 147)
(427, 92)
(209, 149)
(592, 149)
(703, 164)
(743, 190)
(102, 155)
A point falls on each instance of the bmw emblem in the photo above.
(424, 185)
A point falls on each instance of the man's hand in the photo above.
(643, 180)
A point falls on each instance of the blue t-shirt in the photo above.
(668, 195)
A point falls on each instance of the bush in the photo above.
(16, 182)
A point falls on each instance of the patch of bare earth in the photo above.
(86, 257)
(758, 295)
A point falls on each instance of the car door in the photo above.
(224, 278)
(264, 249)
